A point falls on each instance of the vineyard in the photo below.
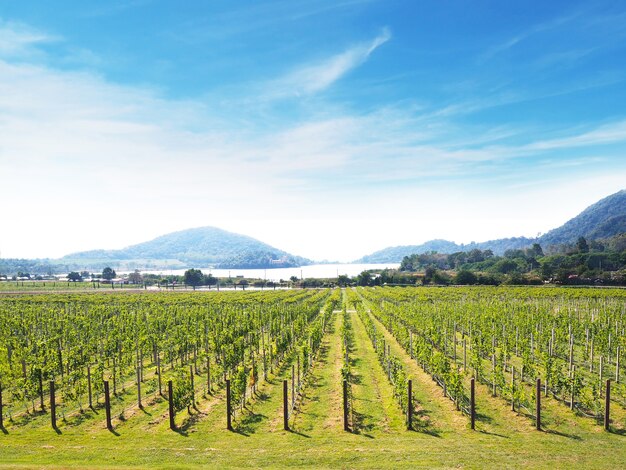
(367, 377)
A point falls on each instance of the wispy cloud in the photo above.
(76, 136)
(602, 135)
(20, 40)
(524, 35)
(313, 78)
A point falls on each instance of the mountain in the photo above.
(396, 253)
(196, 247)
(604, 219)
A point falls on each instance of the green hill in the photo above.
(203, 246)
(604, 219)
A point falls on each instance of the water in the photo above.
(316, 271)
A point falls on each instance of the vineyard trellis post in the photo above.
(538, 404)
(472, 404)
(607, 405)
(346, 426)
(139, 404)
(229, 423)
(512, 388)
(41, 403)
(464, 355)
(285, 405)
(107, 405)
(88, 388)
(617, 366)
(158, 358)
(170, 393)
(53, 406)
(208, 375)
(193, 389)
(410, 405)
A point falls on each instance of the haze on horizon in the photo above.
(329, 129)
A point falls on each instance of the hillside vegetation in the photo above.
(203, 246)
(604, 219)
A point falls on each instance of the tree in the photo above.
(193, 277)
(536, 251)
(343, 280)
(74, 277)
(582, 245)
(108, 273)
(209, 280)
(364, 279)
(465, 277)
(135, 277)
(505, 266)
(429, 273)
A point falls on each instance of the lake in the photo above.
(317, 271)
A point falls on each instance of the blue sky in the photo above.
(326, 128)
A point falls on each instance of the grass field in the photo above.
(142, 438)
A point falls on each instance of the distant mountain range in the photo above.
(603, 219)
(213, 247)
(196, 247)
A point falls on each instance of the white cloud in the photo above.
(313, 78)
(605, 134)
(17, 39)
(86, 163)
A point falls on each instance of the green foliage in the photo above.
(181, 389)
(197, 246)
(108, 273)
(74, 277)
(193, 277)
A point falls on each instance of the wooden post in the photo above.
(139, 388)
(512, 388)
(472, 404)
(538, 405)
(464, 355)
(229, 423)
(571, 405)
(208, 375)
(41, 403)
(159, 373)
(617, 366)
(346, 426)
(607, 405)
(285, 406)
(88, 388)
(293, 386)
(493, 373)
(170, 395)
(409, 414)
(454, 344)
(193, 387)
(53, 406)
(107, 405)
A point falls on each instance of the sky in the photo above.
(327, 128)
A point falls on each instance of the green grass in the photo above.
(143, 439)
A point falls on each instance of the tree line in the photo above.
(584, 262)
